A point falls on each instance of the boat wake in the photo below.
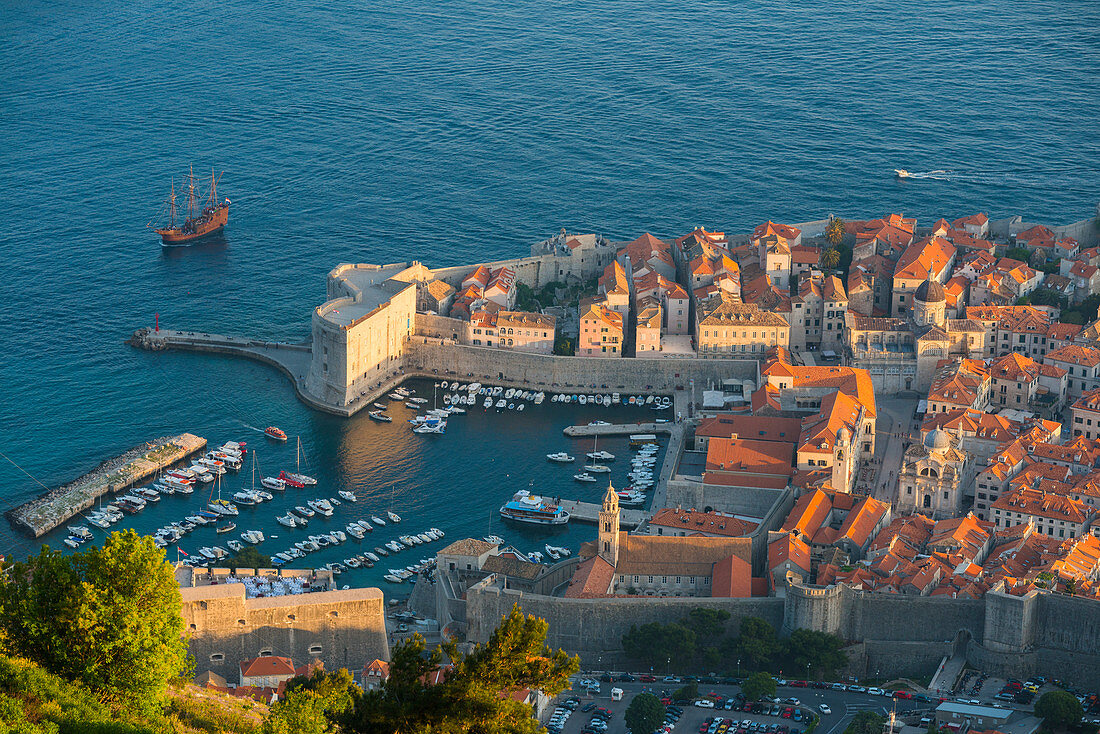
(993, 178)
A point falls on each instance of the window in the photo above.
(315, 649)
(217, 657)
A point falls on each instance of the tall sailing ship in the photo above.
(200, 222)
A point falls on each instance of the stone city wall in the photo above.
(341, 628)
(562, 373)
(753, 501)
(593, 628)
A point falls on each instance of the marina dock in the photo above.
(590, 512)
(40, 516)
(619, 429)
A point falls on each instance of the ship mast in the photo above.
(213, 191)
(191, 193)
(172, 207)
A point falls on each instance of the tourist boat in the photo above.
(530, 508)
(631, 497)
(287, 520)
(561, 457)
(255, 537)
(245, 498)
(347, 495)
(597, 468)
(602, 455)
(355, 531)
(393, 516)
(321, 507)
(585, 477)
(275, 483)
(200, 221)
(377, 520)
(379, 416)
(275, 433)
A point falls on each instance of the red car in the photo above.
(787, 713)
(647, 679)
(798, 684)
(666, 701)
(903, 694)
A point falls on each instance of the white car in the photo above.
(877, 692)
(704, 703)
(824, 708)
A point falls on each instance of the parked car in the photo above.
(906, 695)
(704, 703)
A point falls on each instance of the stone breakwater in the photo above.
(41, 515)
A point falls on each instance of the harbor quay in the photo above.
(41, 515)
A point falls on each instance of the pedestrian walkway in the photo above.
(944, 680)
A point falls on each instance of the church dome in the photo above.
(937, 440)
(930, 291)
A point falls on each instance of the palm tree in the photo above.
(830, 258)
(834, 231)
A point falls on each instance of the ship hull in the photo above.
(208, 225)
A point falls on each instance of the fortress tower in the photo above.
(609, 527)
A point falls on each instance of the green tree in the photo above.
(1071, 587)
(107, 618)
(757, 644)
(247, 557)
(687, 693)
(830, 258)
(645, 713)
(757, 686)
(657, 644)
(707, 623)
(311, 704)
(1046, 297)
(866, 722)
(1059, 709)
(1018, 253)
(473, 695)
(813, 651)
(834, 231)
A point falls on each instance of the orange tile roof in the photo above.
(592, 578)
(809, 513)
(266, 666)
(850, 380)
(760, 428)
(976, 219)
(747, 455)
(819, 432)
(861, 521)
(1041, 504)
(1075, 354)
(712, 523)
(790, 548)
(731, 578)
(771, 228)
(931, 253)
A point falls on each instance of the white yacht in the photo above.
(601, 455)
(585, 477)
(561, 457)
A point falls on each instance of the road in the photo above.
(895, 425)
(844, 704)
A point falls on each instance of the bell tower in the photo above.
(608, 540)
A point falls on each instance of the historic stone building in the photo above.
(902, 353)
(933, 475)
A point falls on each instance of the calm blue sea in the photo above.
(451, 132)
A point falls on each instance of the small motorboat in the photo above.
(377, 520)
(380, 406)
(393, 516)
(365, 526)
(597, 468)
(585, 477)
(392, 579)
(287, 520)
(379, 416)
(274, 483)
(347, 495)
(304, 511)
(552, 552)
(561, 457)
(226, 528)
(381, 551)
(235, 545)
(902, 173)
(255, 537)
(602, 455)
(355, 531)
(276, 433)
(494, 539)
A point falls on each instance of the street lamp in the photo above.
(738, 667)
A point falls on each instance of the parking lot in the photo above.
(841, 704)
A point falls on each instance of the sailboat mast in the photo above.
(191, 193)
(213, 190)
(172, 206)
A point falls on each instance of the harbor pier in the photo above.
(41, 515)
(590, 512)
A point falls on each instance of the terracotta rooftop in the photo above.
(694, 521)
